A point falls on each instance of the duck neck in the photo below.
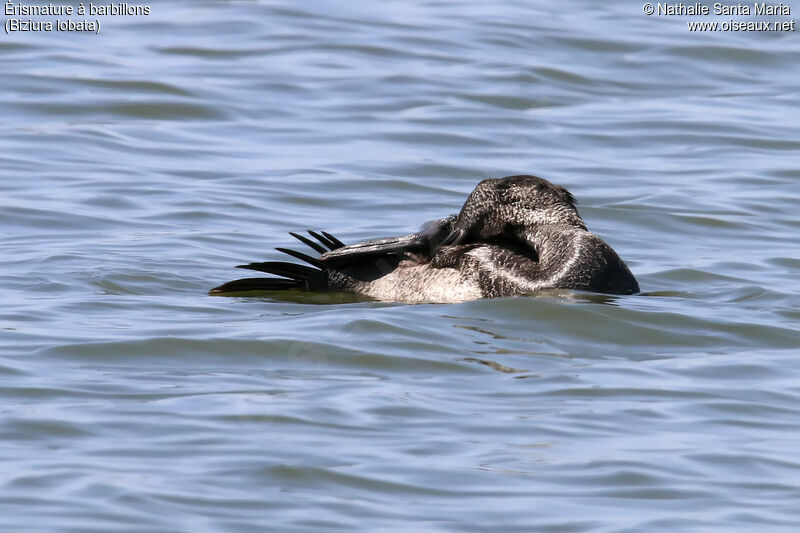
(555, 244)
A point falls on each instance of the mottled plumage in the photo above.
(513, 236)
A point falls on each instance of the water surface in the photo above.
(141, 164)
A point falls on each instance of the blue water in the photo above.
(140, 165)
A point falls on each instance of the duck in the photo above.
(513, 236)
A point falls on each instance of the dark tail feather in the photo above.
(299, 276)
(256, 284)
(303, 257)
(287, 270)
(308, 242)
(336, 242)
(327, 239)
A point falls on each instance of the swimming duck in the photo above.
(513, 236)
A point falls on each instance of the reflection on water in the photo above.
(142, 164)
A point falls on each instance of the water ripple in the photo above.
(138, 175)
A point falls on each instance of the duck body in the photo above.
(513, 236)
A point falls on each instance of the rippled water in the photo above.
(140, 165)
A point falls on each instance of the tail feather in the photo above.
(303, 257)
(287, 270)
(326, 239)
(305, 240)
(292, 275)
(256, 284)
(336, 242)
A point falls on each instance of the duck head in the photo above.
(504, 207)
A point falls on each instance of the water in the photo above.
(141, 164)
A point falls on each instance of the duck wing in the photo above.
(364, 260)
(421, 244)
